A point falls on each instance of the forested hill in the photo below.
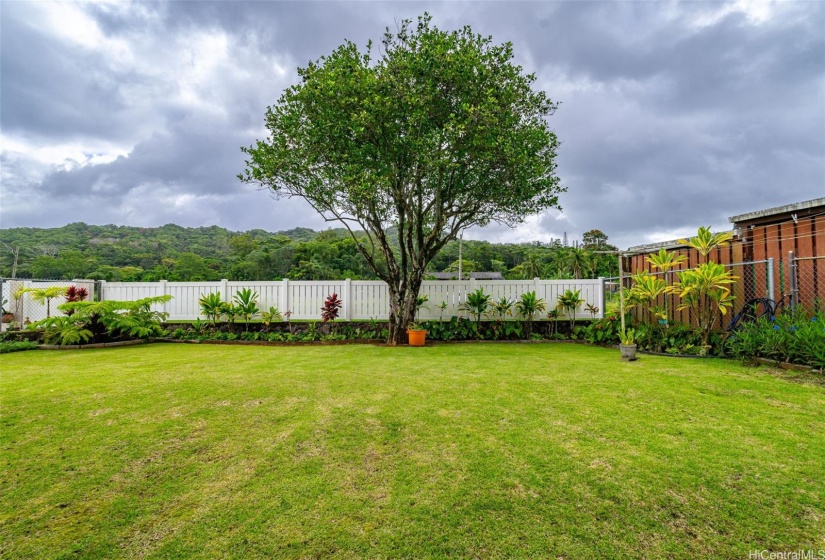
(122, 253)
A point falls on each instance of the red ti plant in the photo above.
(73, 293)
(331, 308)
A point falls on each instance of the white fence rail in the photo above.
(362, 299)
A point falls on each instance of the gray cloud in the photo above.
(673, 114)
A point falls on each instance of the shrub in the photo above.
(791, 336)
(18, 346)
(331, 309)
(96, 320)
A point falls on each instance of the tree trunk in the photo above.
(402, 309)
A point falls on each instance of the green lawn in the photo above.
(475, 450)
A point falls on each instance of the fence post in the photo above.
(536, 285)
(284, 303)
(792, 278)
(472, 285)
(771, 292)
(600, 298)
(163, 292)
(225, 290)
(101, 286)
(346, 297)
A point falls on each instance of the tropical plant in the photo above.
(331, 309)
(420, 303)
(664, 260)
(527, 306)
(246, 305)
(790, 336)
(230, 313)
(211, 306)
(86, 320)
(592, 309)
(437, 132)
(441, 308)
(576, 260)
(627, 337)
(705, 290)
(477, 304)
(553, 317)
(44, 296)
(64, 330)
(645, 288)
(706, 241)
(503, 307)
(570, 300)
(73, 293)
(271, 316)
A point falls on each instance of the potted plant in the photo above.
(627, 345)
(416, 333)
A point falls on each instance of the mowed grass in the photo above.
(476, 450)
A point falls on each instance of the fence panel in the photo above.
(306, 298)
(809, 283)
(590, 291)
(362, 299)
(26, 310)
(369, 299)
(130, 291)
(451, 292)
(185, 302)
(269, 293)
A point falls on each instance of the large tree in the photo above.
(439, 133)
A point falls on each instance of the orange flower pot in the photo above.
(416, 337)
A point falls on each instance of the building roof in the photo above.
(796, 207)
(443, 275)
(474, 275)
(654, 247)
(486, 276)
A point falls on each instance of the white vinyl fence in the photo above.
(362, 299)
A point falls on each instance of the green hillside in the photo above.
(171, 252)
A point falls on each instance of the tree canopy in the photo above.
(439, 133)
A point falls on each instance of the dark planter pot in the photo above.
(628, 352)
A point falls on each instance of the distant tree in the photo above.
(191, 267)
(441, 132)
(594, 239)
(467, 266)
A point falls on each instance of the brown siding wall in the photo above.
(806, 238)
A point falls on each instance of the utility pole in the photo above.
(460, 243)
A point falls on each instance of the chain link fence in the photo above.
(25, 302)
(806, 283)
(792, 282)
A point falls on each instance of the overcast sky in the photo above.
(673, 114)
